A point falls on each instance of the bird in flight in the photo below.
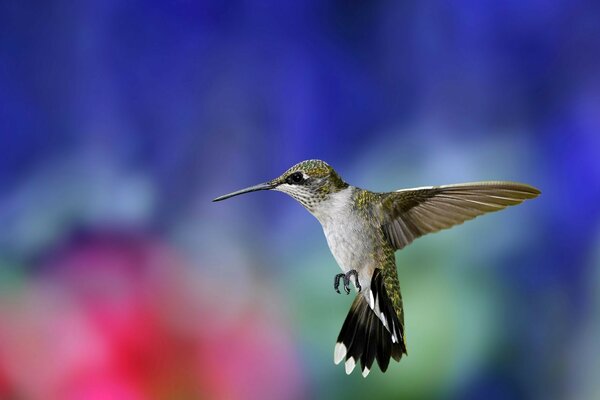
(364, 229)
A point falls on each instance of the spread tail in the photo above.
(371, 331)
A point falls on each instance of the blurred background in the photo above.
(120, 121)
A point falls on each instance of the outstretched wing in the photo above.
(410, 213)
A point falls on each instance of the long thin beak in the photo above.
(255, 188)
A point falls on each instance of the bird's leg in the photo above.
(347, 280)
(346, 277)
(336, 281)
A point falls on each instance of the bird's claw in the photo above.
(346, 278)
(336, 282)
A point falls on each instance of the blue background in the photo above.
(120, 121)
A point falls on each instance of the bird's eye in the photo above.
(295, 178)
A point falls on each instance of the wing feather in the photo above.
(410, 213)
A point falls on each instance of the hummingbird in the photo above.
(364, 229)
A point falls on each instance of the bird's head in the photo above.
(309, 182)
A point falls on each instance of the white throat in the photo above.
(336, 205)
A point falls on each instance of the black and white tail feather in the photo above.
(371, 331)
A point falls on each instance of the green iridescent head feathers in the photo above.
(317, 169)
(310, 182)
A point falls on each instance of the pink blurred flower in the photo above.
(123, 317)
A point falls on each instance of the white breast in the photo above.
(344, 230)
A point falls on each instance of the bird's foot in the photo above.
(346, 278)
